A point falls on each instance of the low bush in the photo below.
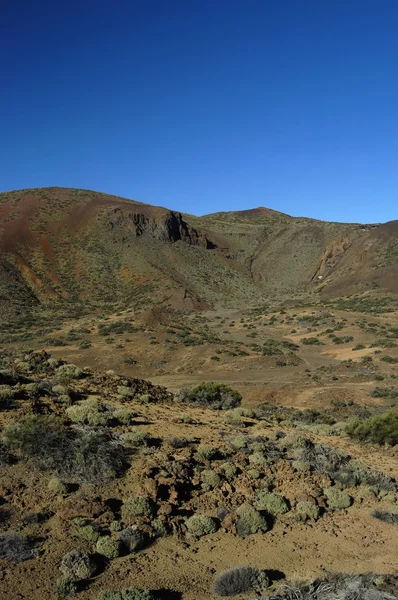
(43, 440)
(57, 486)
(307, 510)
(65, 586)
(135, 438)
(216, 396)
(67, 372)
(89, 533)
(338, 587)
(210, 480)
(14, 547)
(77, 566)
(273, 503)
(249, 521)
(97, 457)
(241, 580)
(390, 516)
(89, 412)
(200, 525)
(337, 498)
(83, 455)
(381, 429)
(138, 507)
(108, 546)
(132, 538)
(206, 452)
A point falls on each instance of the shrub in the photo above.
(338, 587)
(77, 566)
(200, 525)
(229, 470)
(381, 429)
(337, 498)
(386, 516)
(241, 580)
(127, 594)
(216, 396)
(109, 547)
(307, 510)
(67, 372)
(97, 457)
(311, 341)
(65, 586)
(42, 439)
(136, 437)
(124, 416)
(132, 538)
(7, 394)
(14, 547)
(57, 486)
(89, 533)
(249, 521)
(5, 456)
(273, 503)
(138, 507)
(88, 412)
(210, 480)
(206, 452)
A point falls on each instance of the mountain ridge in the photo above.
(79, 245)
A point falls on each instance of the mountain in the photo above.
(86, 247)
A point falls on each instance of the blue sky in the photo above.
(205, 105)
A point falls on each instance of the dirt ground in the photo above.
(316, 376)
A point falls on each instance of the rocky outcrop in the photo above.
(167, 226)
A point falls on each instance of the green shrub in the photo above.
(206, 452)
(307, 510)
(109, 547)
(89, 412)
(216, 396)
(57, 486)
(7, 395)
(135, 437)
(124, 416)
(89, 533)
(381, 429)
(249, 521)
(210, 480)
(200, 525)
(390, 359)
(77, 566)
(138, 507)
(311, 341)
(229, 470)
(273, 503)
(337, 498)
(241, 580)
(42, 439)
(65, 586)
(67, 372)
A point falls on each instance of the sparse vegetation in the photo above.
(200, 525)
(241, 580)
(217, 396)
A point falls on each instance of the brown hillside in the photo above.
(78, 245)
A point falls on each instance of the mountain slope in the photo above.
(83, 246)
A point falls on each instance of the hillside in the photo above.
(86, 247)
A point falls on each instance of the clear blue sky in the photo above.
(205, 105)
